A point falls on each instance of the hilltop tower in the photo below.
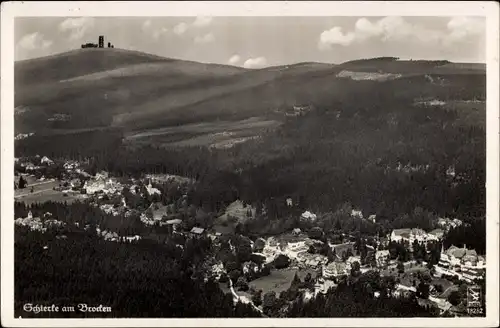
(101, 41)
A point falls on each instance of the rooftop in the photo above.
(197, 230)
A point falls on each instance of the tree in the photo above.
(281, 261)
(244, 252)
(242, 284)
(258, 245)
(308, 277)
(269, 300)
(22, 182)
(454, 298)
(296, 280)
(234, 275)
(315, 233)
(355, 269)
(401, 267)
(423, 290)
(257, 259)
(257, 298)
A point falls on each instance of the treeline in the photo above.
(358, 295)
(472, 234)
(347, 150)
(72, 145)
(136, 280)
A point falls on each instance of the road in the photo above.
(236, 297)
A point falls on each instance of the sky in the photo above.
(255, 42)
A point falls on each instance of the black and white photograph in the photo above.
(179, 162)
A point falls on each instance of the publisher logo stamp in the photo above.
(474, 300)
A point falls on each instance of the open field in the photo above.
(278, 281)
(43, 191)
(204, 134)
(50, 195)
(470, 113)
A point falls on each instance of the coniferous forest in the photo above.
(370, 148)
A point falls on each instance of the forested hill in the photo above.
(384, 145)
(120, 88)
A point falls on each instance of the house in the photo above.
(70, 165)
(461, 262)
(456, 223)
(450, 172)
(151, 190)
(197, 231)
(436, 234)
(46, 160)
(357, 213)
(334, 270)
(312, 263)
(308, 216)
(409, 235)
(173, 224)
(382, 258)
(250, 267)
(296, 232)
(30, 167)
(343, 249)
(447, 223)
(350, 261)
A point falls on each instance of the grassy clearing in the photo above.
(277, 281)
(204, 134)
(50, 195)
(43, 191)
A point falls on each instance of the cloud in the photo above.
(335, 36)
(461, 28)
(258, 62)
(77, 26)
(395, 28)
(159, 32)
(180, 28)
(207, 38)
(155, 32)
(146, 25)
(202, 21)
(234, 60)
(34, 41)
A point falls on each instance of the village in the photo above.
(273, 261)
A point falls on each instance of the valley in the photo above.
(271, 192)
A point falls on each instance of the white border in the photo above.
(9, 10)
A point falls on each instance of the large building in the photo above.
(461, 262)
(100, 43)
(410, 235)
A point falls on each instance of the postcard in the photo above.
(177, 164)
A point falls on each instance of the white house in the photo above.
(151, 190)
(334, 270)
(382, 258)
(461, 262)
(357, 213)
(436, 235)
(409, 235)
(46, 160)
(308, 216)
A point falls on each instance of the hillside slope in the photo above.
(90, 88)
